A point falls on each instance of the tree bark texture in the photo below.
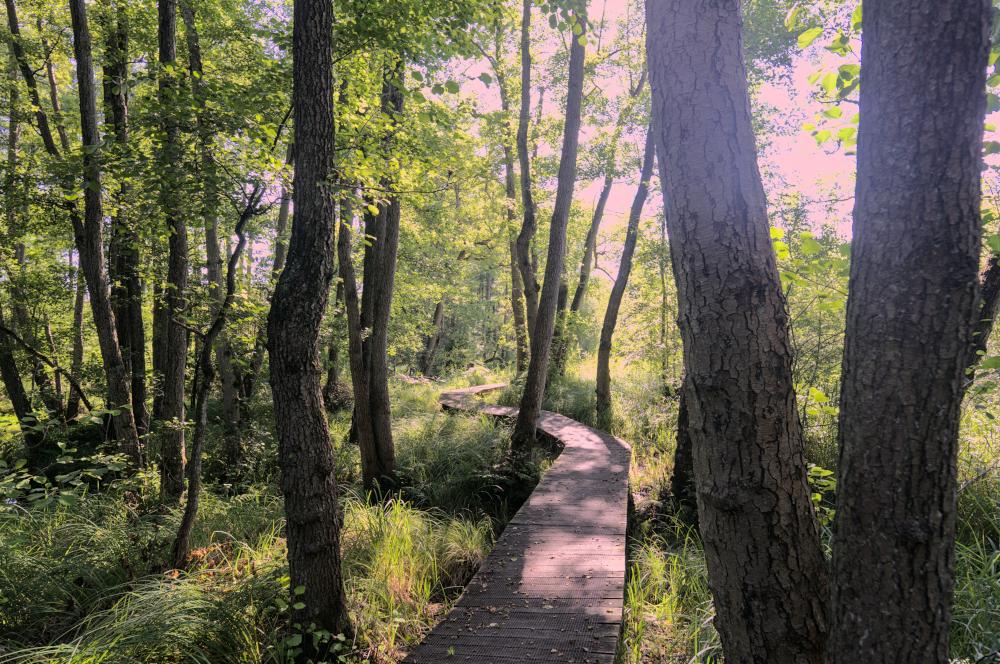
(123, 259)
(529, 224)
(621, 281)
(175, 347)
(541, 336)
(766, 569)
(911, 314)
(308, 477)
(89, 237)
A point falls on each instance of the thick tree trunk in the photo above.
(308, 476)
(90, 241)
(621, 282)
(766, 568)
(911, 314)
(529, 225)
(541, 336)
(123, 261)
(175, 347)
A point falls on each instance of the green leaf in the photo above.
(856, 18)
(809, 36)
(294, 640)
(486, 78)
(993, 242)
(990, 362)
(818, 395)
(777, 233)
(833, 112)
(810, 247)
(452, 87)
(792, 18)
(992, 103)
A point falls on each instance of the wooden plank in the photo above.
(553, 586)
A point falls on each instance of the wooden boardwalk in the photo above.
(553, 586)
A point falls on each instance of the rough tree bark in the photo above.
(89, 237)
(308, 478)
(175, 346)
(541, 336)
(123, 259)
(766, 568)
(911, 314)
(529, 225)
(621, 281)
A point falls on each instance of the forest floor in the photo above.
(85, 580)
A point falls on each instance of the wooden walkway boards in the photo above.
(553, 586)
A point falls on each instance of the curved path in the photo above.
(553, 586)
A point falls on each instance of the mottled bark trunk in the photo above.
(89, 237)
(541, 336)
(621, 282)
(175, 347)
(910, 319)
(559, 344)
(529, 223)
(308, 477)
(766, 568)
(123, 259)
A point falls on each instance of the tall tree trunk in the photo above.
(89, 238)
(766, 568)
(590, 244)
(910, 319)
(517, 305)
(432, 340)
(529, 224)
(517, 300)
(334, 397)
(76, 357)
(231, 410)
(308, 477)
(123, 262)
(541, 336)
(175, 347)
(378, 458)
(621, 281)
